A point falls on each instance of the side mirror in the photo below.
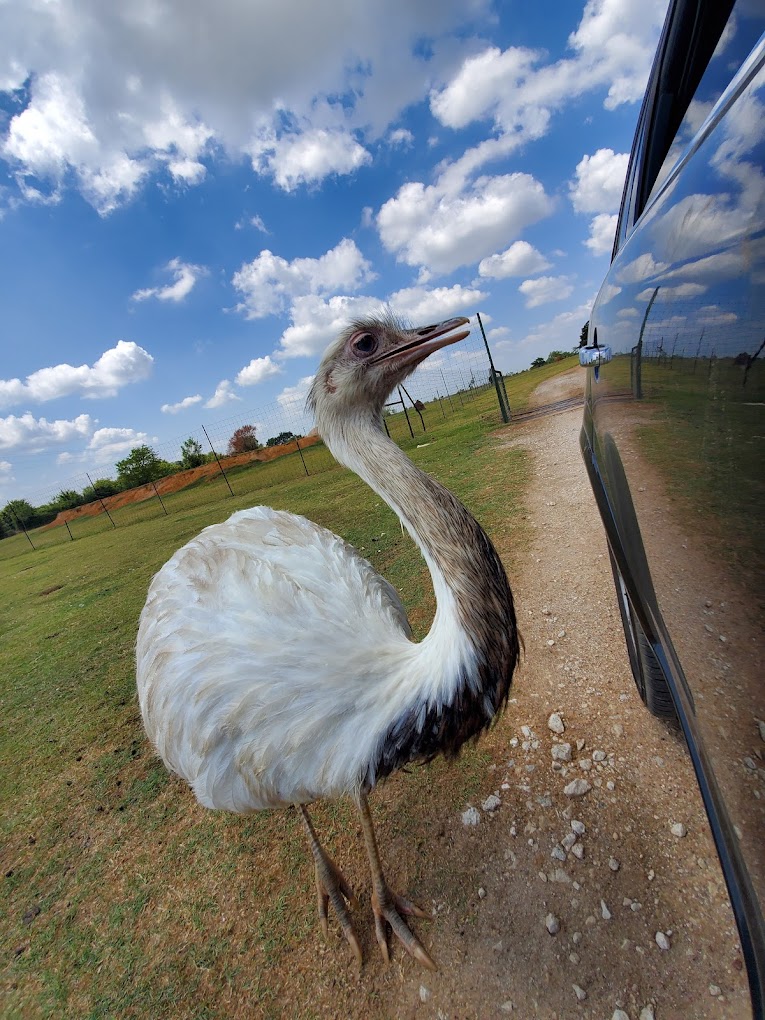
(594, 356)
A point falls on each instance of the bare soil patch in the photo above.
(560, 387)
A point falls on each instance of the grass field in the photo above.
(121, 897)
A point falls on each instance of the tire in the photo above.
(649, 676)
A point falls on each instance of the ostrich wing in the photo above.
(261, 653)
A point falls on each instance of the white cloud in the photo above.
(118, 96)
(613, 46)
(121, 365)
(684, 290)
(599, 182)
(642, 268)
(401, 137)
(33, 435)
(455, 223)
(421, 306)
(109, 444)
(257, 371)
(182, 405)
(520, 259)
(269, 282)
(560, 333)
(292, 398)
(185, 275)
(223, 395)
(545, 289)
(252, 221)
(308, 157)
(5, 467)
(602, 233)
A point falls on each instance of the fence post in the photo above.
(100, 499)
(504, 411)
(305, 466)
(217, 458)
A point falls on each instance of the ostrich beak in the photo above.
(422, 342)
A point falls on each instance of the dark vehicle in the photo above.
(674, 423)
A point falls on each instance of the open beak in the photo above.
(422, 342)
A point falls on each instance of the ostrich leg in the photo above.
(387, 906)
(331, 887)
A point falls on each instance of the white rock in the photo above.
(526, 731)
(424, 993)
(761, 728)
(552, 924)
(507, 1006)
(576, 938)
(661, 940)
(646, 1013)
(715, 990)
(613, 864)
(605, 913)
(678, 829)
(558, 853)
(471, 817)
(491, 803)
(579, 744)
(585, 764)
(578, 827)
(482, 893)
(619, 1014)
(574, 957)
(561, 752)
(568, 841)
(598, 755)
(559, 875)
(578, 851)
(577, 788)
(555, 723)
(579, 993)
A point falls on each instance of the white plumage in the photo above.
(276, 667)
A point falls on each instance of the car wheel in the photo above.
(649, 676)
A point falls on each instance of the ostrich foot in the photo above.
(387, 906)
(331, 887)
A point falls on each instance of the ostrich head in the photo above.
(368, 360)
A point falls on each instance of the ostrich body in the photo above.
(276, 667)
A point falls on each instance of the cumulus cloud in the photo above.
(602, 233)
(545, 289)
(257, 371)
(456, 222)
(121, 365)
(520, 259)
(420, 305)
(292, 398)
(184, 274)
(270, 282)
(307, 157)
(33, 435)
(109, 444)
(223, 395)
(401, 137)
(519, 90)
(182, 405)
(599, 181)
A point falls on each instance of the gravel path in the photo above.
(591, 882)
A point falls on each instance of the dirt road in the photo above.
(575, 906)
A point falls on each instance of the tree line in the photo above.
(141, 466)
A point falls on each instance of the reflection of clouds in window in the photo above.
(642, 268)
(700, 223)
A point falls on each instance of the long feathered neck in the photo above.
(462, 670)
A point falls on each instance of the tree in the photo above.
(141, 465)
(100, 489)
(281, 439)
(243, 440)
(191, 453)
(67, 499)
(18, 510)
(554, 356)
(538, 362)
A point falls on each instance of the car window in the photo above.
(745, 26)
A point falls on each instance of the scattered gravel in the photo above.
(579, 993)
(491, 803)
(561, 752)
(552, 924)
(613, 864)
(471, 817)
(678, 829)
(662, 941)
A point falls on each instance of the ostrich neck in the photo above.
(472, 593)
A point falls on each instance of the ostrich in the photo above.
(275, 667)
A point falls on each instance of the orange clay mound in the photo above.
(173, 483)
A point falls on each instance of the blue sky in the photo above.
(195, 197)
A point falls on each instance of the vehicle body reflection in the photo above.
(674, 424)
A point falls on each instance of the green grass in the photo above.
(121, 897)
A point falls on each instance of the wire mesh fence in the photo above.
(249, 452)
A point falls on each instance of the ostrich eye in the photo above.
(364, 343)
